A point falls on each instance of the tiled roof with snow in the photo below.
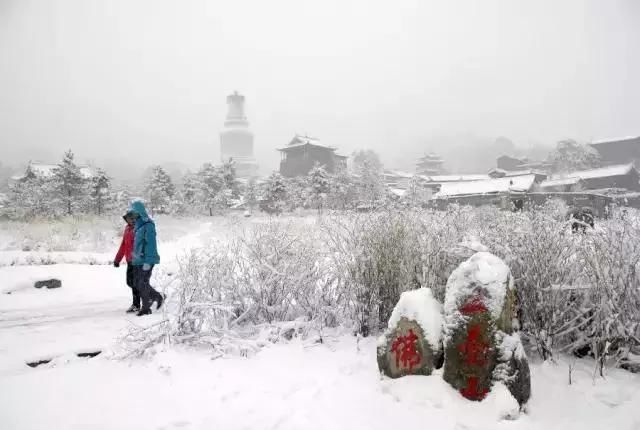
(488, 186)
(398, 174)
(453, 178)
(299, 140)
(559, 182)
(523, 172)
(602, 172)
(620, 139)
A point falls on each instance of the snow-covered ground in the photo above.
(290, 385)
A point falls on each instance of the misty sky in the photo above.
(147, 80)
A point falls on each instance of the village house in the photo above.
(619, 151)
(500, 173)
(304, 152)
(621, 176)
(513, 164)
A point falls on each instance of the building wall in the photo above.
(508, 163)
(629, 182)
(621, 152)
(300, 161)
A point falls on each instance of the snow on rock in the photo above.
(479, 305)
(411, 344)
(513, 368)
(420, 306)
(484, 276)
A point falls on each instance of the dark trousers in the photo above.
(146, 292)
(131, 283)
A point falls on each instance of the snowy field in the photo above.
(295, 384)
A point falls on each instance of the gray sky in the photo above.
(147, 80)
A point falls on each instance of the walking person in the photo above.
(125, 252)
(144, 258)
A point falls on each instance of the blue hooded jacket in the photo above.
(145, 248)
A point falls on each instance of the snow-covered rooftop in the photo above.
(602, 172)
(488, 186)
(616, 140)
(299, 140)
(398, 174)
(559, 182)
(453, 178)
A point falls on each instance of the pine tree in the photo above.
(190, 191)
(100, 191)
(370, 185)
(212, 186)
(276, 192)
(343, 190)
(160, 190)
(251, 195)
(416, 193)
(320, 186)
(69, 185)
(30, 196)
(230, 179)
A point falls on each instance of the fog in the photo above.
(129, 83)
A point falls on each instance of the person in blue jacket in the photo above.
(144, 257)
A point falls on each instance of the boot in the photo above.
(144, 312)
(133, 308)
(160, 300)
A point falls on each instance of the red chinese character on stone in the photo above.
(474, 351)
(406, 351)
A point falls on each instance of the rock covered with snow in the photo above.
(513, 368)
(485, 278)
(411, 345)
(479, 346)
(48, 283)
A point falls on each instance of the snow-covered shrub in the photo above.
(276, 263)
(377, 256)
(612, 262)
(440, 235)
(543, 260)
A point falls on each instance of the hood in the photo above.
(138, 207)
(128, 213)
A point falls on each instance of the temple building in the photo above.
(430, 165)
(304, 152)
(236, 139)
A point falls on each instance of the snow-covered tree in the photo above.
(570, 156)
(69, 186)
(187, 198)
(100, 191)
(251, 195)
(230, 179)
(212, 186)
(416, 194)
(298, 192)
(30, 196)
(160, 190)
(343, 190)
(320, 186)
(368, 157)
(275, 192)
(370, 184)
